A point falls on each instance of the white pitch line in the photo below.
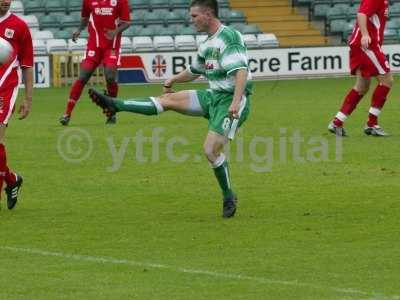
(115, 261)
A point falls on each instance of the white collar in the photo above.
(3, 18)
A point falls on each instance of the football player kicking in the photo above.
(223, 60)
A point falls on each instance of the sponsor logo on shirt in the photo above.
(210, 65)
(91, 53)
(104, 11)
(9, 33)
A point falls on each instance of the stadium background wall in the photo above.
(155, 67)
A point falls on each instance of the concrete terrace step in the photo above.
(292, 25)
(290, 41)
(278, 18)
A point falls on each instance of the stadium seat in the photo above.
(78, 46)
(163, 43)
(183, 15)
(17, 7)
(31, 20)
(251, 41)
(185, 42)
(156, 29)
(55, 6)
(391, 35)
(43, 35)
(126, 45)
(57, 45)
(145, 31)
(223, 3)
(142, 44)
(139, 16)
(139, 4)
(34, 6)
(337, 26)
(84, 34)
(250, 29)
(188, 30)
(173, 18)
(49, 21)
(174, 4)
(70, 21)
(235, 16)
(267, 40)
(39, 47)
(157, 4)
(320, 9)
(133, 30)
(347, 30)
(156, 17)
(74, 5)
(63, 34)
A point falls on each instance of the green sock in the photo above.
(144, 106)
(223, 177)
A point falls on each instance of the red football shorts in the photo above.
(371, 61)
(94, 57)
(8, 96)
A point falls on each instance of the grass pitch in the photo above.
(102, 216)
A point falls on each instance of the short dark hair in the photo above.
(211, 4)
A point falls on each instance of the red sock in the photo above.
(112, 89)
(75, 94)
(5, 173)
(377, 103)
(348, 106)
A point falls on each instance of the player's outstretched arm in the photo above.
(183, 76)
(25, 107)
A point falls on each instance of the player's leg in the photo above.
(378, 100)
(87, 67)
(222, 128)
(359, 68)
(111, 62)
(213, 146)
(352, 99)
(185, 102)
(13, 181)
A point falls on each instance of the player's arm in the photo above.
(84, 23)
(362, 24)
(183, 76)
(25, 108)
(112, 33)
(191, 73)
(240, 86)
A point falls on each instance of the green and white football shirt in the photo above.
(219, 56)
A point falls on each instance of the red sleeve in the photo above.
(369, 7)
(85, 9)
(124, 11)
(25, 53)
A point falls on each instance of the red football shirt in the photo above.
(377, 12)
(104, 15)
(16, 31)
